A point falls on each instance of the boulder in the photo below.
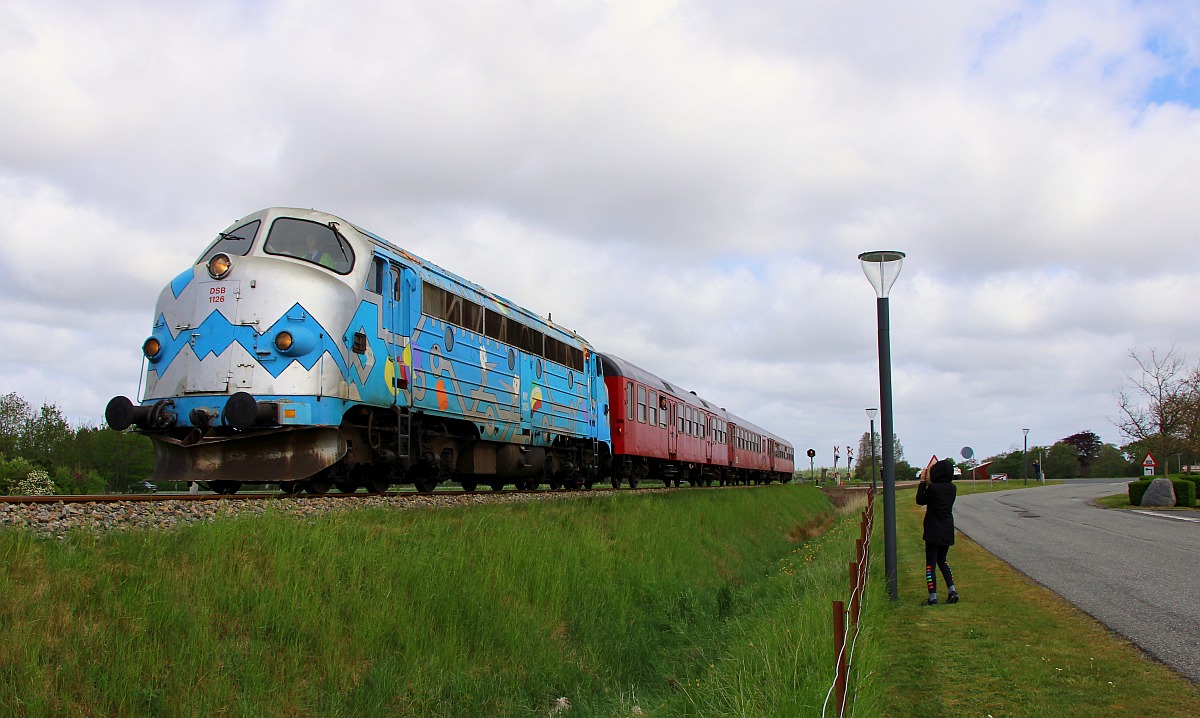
(1160, 493)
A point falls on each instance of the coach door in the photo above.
(708, 436)
(398, 323)
(673, 431)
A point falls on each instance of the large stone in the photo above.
(1160, 493)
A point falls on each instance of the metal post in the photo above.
(1024, 462)
(874, 464)
(889, 453)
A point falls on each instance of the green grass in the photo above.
(687, 603)
(1009, 648)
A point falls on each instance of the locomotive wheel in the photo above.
(616, 483)
(633, 483)
(469, 485)
(346, 487)
(377, 486)
(225, 488)
(291, 487)
(424, 486)
(318, 486)
(497, 486)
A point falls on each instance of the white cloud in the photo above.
(687, 184)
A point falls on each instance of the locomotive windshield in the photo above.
(235, 243)
(321, 244)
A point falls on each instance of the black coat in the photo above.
(937, 496)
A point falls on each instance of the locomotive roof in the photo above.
(448, 277)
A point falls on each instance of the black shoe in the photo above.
(930, 602)
(953, 598)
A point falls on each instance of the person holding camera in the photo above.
(936, 493)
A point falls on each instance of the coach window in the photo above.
(320, 244)
(629, 400)
(235, 243)
(662, 411)
(641, 416)
(652, 408)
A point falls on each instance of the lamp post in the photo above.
(874, 467)
(882, 268)
(1024, 463)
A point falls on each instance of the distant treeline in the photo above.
(84, 460)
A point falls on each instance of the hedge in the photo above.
(1185, 492)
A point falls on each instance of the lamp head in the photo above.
(881, 268)
(871, 414)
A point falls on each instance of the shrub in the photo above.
(1185, 492)
(36, 483)
(1137, 489)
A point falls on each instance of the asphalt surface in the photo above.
(1137, 572)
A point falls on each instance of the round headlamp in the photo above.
(219, 266)
(151, 347)
(283, 341)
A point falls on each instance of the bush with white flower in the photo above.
(35, 483)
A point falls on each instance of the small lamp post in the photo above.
(882, 268)
(874, 467)
(1024, 463)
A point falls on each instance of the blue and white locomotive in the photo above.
(305, 351)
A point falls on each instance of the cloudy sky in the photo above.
(687, 184)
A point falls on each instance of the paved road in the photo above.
(1139, 574)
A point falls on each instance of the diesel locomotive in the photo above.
(304, 351)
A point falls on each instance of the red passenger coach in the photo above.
(662, 432)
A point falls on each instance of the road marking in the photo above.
(1168, 516)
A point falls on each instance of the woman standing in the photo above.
(936, 493)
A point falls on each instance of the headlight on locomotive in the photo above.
(151, 348)
(296, 341)
(219, 266)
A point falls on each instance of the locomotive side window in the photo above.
(235, 243)
(313, 242)
(494, 325)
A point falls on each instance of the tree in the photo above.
(1157, 402)
(1111, 463)
(1062, 462)
(46, 436)
(862, 455)
(15, 414)
(1087, 447)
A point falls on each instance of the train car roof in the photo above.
(614, 365)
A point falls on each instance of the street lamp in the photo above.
(874, 468)
(1024, 463)
(881, 269)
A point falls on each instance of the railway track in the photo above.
(248, 496)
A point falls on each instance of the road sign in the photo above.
(1149, 461)
(967, 452)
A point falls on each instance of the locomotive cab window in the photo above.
(320, 244)
(374, 283)
(235, 244)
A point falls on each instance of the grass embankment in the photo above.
(1009, 648)
(698, 603)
